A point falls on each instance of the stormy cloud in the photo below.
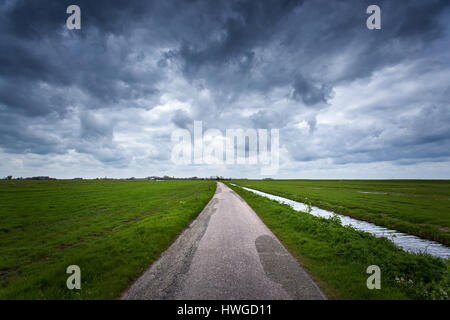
(105, 99)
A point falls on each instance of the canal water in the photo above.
(405, 241)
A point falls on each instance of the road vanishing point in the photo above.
(226, 253)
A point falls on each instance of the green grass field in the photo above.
(337, 257)
(418, 207)
(111, 229)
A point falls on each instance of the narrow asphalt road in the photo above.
(226, 253)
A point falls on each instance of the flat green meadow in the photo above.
(113, 230)
(419, 207)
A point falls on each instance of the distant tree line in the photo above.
(154, 178)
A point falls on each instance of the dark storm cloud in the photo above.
(421, 19)
(19, 136)
(309, 92)
(424, 135)
(305, 37)
(181, 119)
(36, 49)
(43, 18)
(260, 64)
(93, 127)
(249, 24)
(265, 119)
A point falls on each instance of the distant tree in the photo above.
(9, 177)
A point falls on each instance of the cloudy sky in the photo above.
(104, 100)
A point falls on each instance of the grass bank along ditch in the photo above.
(417, 207)
(405, 241)
(111, 229)
(338, 256)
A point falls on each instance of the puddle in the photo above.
(403, 240)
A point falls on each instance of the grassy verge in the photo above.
(337, 257)
(419, 207)
(111, 229)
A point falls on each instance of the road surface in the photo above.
(226, 253)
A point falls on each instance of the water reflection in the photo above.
(405, 241)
